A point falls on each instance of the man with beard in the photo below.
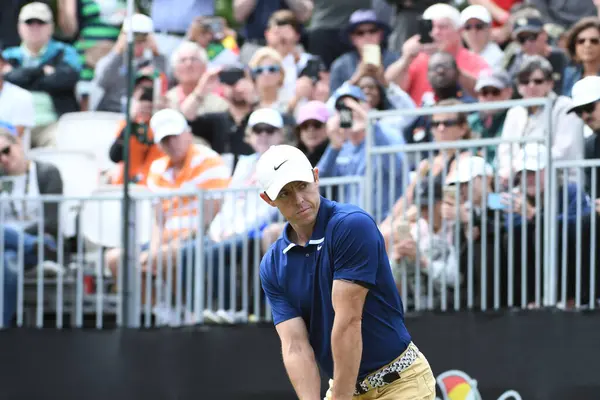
(225, 131)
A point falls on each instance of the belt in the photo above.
(388, 374)
(172, 33)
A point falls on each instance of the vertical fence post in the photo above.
(548, 196)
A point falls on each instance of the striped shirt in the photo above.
(203, 169)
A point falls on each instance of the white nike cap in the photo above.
(281, 165)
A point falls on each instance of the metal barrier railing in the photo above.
(202, 269)
(510, 283)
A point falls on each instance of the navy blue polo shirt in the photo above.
(345, 244)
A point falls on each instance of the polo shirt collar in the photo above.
(318, 235)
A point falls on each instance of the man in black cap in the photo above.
(530, 34)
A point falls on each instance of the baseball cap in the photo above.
(168, 122)
(497, 78)
(140, 23)
(268, 116)
(36, 10)
(477, 12)
(313, 110)
(469, 168)
(585, 91)
(532, 157)
(530, 24)
(345, 91)
(280, 165)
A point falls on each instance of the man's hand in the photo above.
(406, 247)
(514, 203)
(412, 47)
(207, 83)
(337, 136)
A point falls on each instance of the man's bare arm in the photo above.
(346, 336)
(299, 359)
(302, 8)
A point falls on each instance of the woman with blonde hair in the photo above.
(268, 74)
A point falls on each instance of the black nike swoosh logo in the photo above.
(277, 167)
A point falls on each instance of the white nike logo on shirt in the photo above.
(319, 247)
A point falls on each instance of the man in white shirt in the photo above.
(16, 109)
(476, 23)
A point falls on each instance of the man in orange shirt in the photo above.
(410, 71)
(186, 167)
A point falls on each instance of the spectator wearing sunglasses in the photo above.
(533, 40)
(583, 45)
(586, 97)
(491, 87)
(476, 23)
(267, 70)
(363, 29)
(534, 79)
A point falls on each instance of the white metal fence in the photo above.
(483, 256)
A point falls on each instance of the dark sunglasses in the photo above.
(5, 151)
(363, 32)
(595, 41)
(536, 81)
(489, 91)
(35, 21)
(312, 123)
(260, 128)
(586, 108)
(447, 123)
(528, 37)
(479, 26)
(266, 69)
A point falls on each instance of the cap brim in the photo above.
(288, 172)
(489, 82)
(159, 136)
(578, 104)
(528, 28)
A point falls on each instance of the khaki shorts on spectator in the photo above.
(416, 383)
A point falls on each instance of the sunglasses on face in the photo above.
(5, 151)
(535, 81)
(528, 37)
(363, 32)
(267, 69)
(314, 124)
(35, 21)
(491, 91)
(593, 41)
(268, 129)
(586, 108)
(479, 26)
(447, 123)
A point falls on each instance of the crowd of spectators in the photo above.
(211, 94)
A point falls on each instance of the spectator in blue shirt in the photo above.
(45, 67)
(346, 153)
(363, 29)
(333, 297)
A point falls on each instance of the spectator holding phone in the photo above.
(368, 57)
(111, 70)
(346, 154)
(142, 149)
(194, 93)
(225, 131)
(214, 36)
(410, 71)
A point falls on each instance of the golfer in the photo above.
(329, 282)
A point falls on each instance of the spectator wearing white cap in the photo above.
(185, 165)
(476, 23)
(47, 68)
(586, 97)
(491, 86)
(410, 71)
(111, 70)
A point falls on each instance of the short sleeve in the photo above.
(281, 308)
(357, 244)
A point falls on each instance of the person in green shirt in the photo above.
(491, 86)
